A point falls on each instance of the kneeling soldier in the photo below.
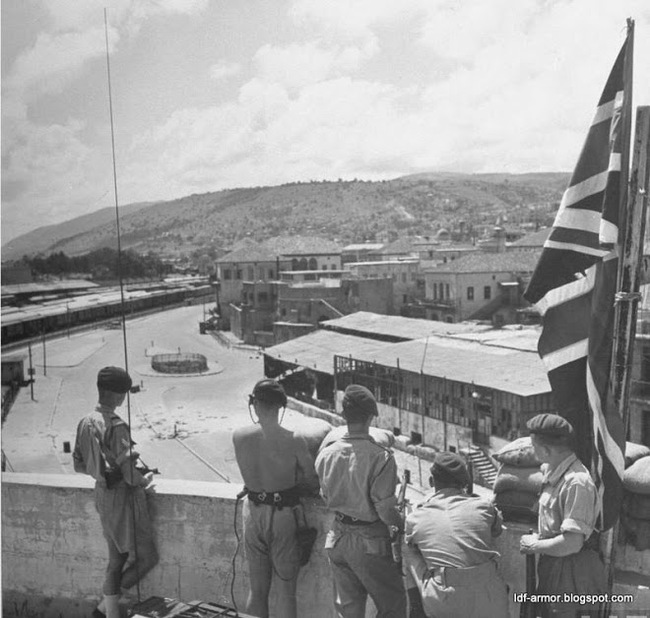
(450, 556)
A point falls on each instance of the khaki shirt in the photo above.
(358, 478)
(569, 500)
(103, 440)
(454, 530)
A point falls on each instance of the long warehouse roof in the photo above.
(316, 350)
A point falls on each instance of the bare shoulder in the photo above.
(245, 434)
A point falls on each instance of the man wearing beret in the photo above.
(103, 449)
(358, 479)
(277, 470)
(450, 556)
(568, 508)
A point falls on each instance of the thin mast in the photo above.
(122, 302)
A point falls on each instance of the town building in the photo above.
(479, 286)
(408, 285)
(263, 262)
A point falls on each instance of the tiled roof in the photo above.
(401, 245)
(364, 246)
(483, 262)
(536, 239)
(301, 245)
(249, 251)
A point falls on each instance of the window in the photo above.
(271, 273)
(470, 293)
(447, 290)
(238, 274)
(227, 274)
(487, 292)
(313, 264)
(251, 273)
(435, 291)
(441, 291)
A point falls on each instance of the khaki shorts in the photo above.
(270, 539)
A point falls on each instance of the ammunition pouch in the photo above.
(113, 476)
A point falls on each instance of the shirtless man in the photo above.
(277, 469)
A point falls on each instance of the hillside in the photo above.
(345, 211)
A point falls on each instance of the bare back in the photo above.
(270, 457)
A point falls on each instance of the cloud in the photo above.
(224, 69)
(50, 169)
(53, 61)
(300, 64)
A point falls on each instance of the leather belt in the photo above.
(353, 521)
(279, 499)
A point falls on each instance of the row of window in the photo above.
(237, 274)
(441, 292)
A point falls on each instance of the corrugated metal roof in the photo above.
(48, 286)
(398, 326)
(505, 369)
(316, 350)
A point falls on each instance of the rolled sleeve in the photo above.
(382, 493)
(121, 447)
(579, 508)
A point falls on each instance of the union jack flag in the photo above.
(574, 285)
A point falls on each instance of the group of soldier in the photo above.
(438, 561)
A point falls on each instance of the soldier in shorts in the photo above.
(277, 469)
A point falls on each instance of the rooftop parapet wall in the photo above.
(54, 554)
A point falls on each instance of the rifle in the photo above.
(396, 537)
(527, 608)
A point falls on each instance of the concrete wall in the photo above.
(53, 552)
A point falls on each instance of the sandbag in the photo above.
(518, 505)
(636, 478)
(634, 452)
(637, 505)
(518, 453)
(510, 478)
(382, 437)
(637, 532)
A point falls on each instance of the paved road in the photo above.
(182, 424)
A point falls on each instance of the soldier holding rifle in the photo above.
(103, 449)
(568, 509)
(450, 557)
(358, 478)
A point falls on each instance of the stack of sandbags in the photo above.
(518, 482)
(635, 514)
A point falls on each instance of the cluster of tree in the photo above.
(101, 264)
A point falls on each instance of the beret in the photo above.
(452, 466)
(270, 391)
(359, 398)
(550, 425)
(114, 379)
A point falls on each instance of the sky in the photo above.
(217, 94)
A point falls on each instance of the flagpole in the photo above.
(628, 295)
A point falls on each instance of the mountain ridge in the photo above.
(344, 211)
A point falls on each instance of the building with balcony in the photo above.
(485, 286)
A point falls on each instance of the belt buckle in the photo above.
(261, 496)
(277, 498)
